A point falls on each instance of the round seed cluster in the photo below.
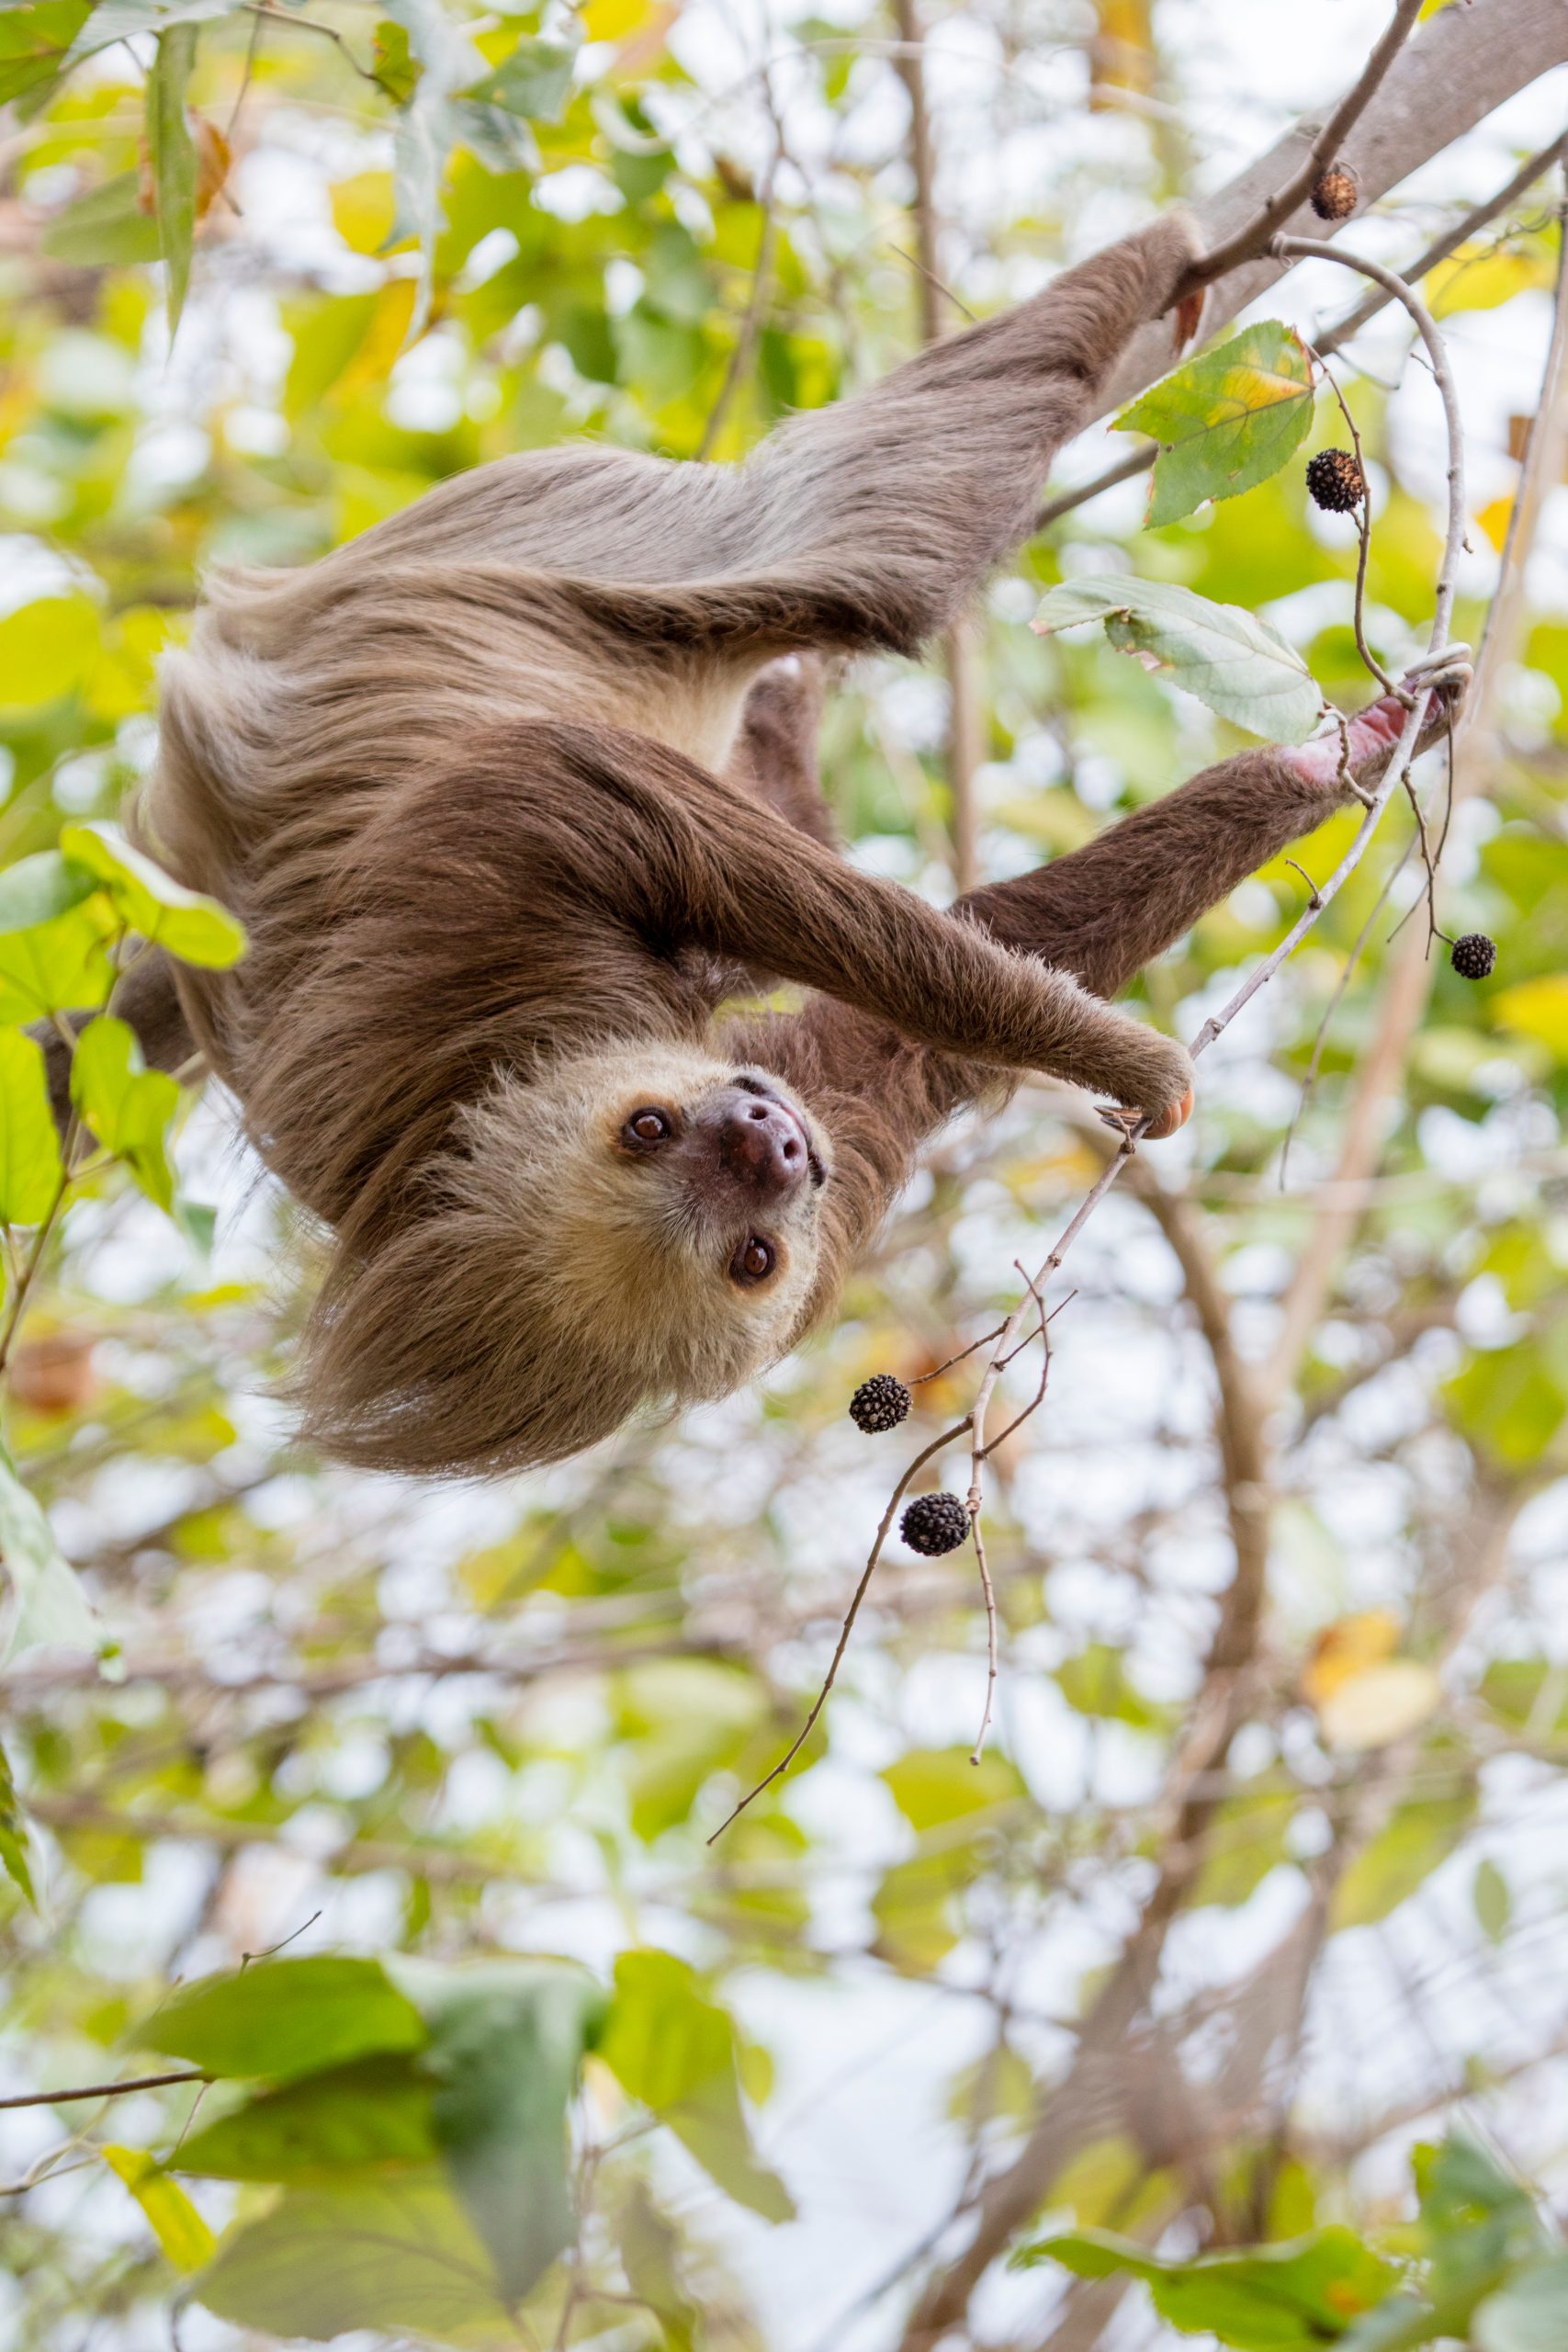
(1473, 957)
(1334, 196)
(1336, 480)
(879, 1403)
(934, 1525)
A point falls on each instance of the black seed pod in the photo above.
(1336, 480)
(879, 1403)
(1473, 957)
(933, 1524)
(1335, 194)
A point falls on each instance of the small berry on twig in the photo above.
(934, 1525)
(879, 1403)
(1473, 957)
(1336, 192)
(1336, 480)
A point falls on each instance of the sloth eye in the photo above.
(753, 1261)
(648, 1125)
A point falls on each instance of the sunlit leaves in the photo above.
(187, 923)
(1227, 420)
(674, 2050)
(125, 1104)
(1236, 663)
(33, 43)
(111, 225)
(29, 1144)
(398, 2254)
(172, 154)
(293, 2016)
(13, 1859)
(423, 2103)
(506, 2042)
(45, 649)
(350, 2118)
(1274, 2299)
(50, 1607)
(177, 2226)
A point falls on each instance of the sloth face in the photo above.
(632, 1229)
(723, 1174)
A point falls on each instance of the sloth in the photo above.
(516, 795)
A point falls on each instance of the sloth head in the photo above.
(637, 1227)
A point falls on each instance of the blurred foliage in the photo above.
(460, 1752)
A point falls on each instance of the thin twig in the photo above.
(310, 25)
(107, 2090)
(787, 1758)
(1363, 532)
(1255, 236)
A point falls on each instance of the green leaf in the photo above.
(51, 1607)
(394, 68)
(674, 2051)
(425, 134)
(177, 2226)
(400, 2257)
(371, 2112)
(185, 923)
(1289, 2297)
(650, 2256)
(506, 2043)
(1417, 1836)
(533, 81)
(286, 2018)
(1529, 2314)
(110, 226)
(30, 1145)
(1508, 1400)
(934, 1786)
(14, 1833)
(172, 154)
(34, 42)
(127, 1106)
(46, 649)
(1228, 658)
(1226, 420)
(1477, 2220)
(115, 20)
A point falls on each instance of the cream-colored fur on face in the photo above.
(592, 1283)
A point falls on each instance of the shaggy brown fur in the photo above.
(514, 790)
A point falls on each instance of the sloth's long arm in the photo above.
(1100, 913)
(871, 521)
(644, 855)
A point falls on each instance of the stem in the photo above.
(107, 2090)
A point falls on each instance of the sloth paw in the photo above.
(1125, 1123)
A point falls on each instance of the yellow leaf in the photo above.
(612, 20)
(363, 210)
(1373, 1709)
(177, 2226)
(1494, 520)
(1346, 1647)
(1478, 278)
(45, 649)
(1538, 1009)
(384, 338)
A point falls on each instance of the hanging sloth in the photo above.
(515, 790)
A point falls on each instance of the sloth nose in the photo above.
(761, 1145)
